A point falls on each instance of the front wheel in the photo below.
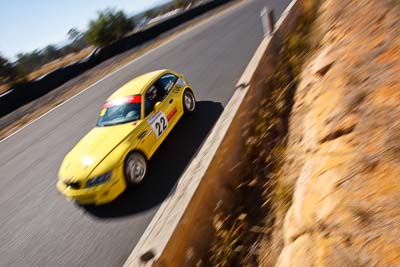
(135, 168)
(189, 102)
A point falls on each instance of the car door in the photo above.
(170, 104)
(146, 138)
(150, 125)
(160, 109)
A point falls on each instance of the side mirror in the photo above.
(157, 106)
(180, 83)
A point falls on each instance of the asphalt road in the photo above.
(38, 227)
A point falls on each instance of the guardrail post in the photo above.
(267, 21)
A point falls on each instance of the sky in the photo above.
(26, 25)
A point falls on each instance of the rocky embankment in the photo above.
(344, 146)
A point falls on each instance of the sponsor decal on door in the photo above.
(171, 114)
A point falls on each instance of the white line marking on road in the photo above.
(201, 23)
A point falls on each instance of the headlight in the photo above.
(98, 180)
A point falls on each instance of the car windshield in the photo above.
(119, 111)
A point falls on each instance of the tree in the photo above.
(151, 14)
(50, 53)
(109, 26)
(30, 61)
(73, 34)
(179, 3)
(8, 72)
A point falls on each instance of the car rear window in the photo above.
(119, 111)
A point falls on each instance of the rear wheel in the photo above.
(135, 168)
(189, 102)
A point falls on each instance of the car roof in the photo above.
(137, 85)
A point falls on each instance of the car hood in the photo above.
(91, 150)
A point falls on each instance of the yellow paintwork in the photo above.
(104, 149)
(138, 85)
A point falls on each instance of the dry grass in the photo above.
(265, 196)
(100, 72)
(60, 63)
(53, 65)
(230, 237)
(3, 88)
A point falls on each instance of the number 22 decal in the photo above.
(161, 126)
(159, 123)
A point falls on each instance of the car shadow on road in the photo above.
(166, 166)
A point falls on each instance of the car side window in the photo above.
(158, 91)
(166, 83)
(151, 98)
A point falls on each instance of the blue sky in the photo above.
(29, 24)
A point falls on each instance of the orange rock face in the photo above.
(344, 144)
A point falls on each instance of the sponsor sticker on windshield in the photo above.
(169, 86)
(123, 100)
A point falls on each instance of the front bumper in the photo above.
(96, 195)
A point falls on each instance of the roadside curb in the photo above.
(168, 218)
(163, 224)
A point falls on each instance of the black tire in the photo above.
(189, 102)
(135, 168)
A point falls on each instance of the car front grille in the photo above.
(72, 184)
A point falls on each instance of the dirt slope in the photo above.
(344, 144)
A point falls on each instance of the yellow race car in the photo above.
(133, 123)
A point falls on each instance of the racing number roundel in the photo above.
(159, 123)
